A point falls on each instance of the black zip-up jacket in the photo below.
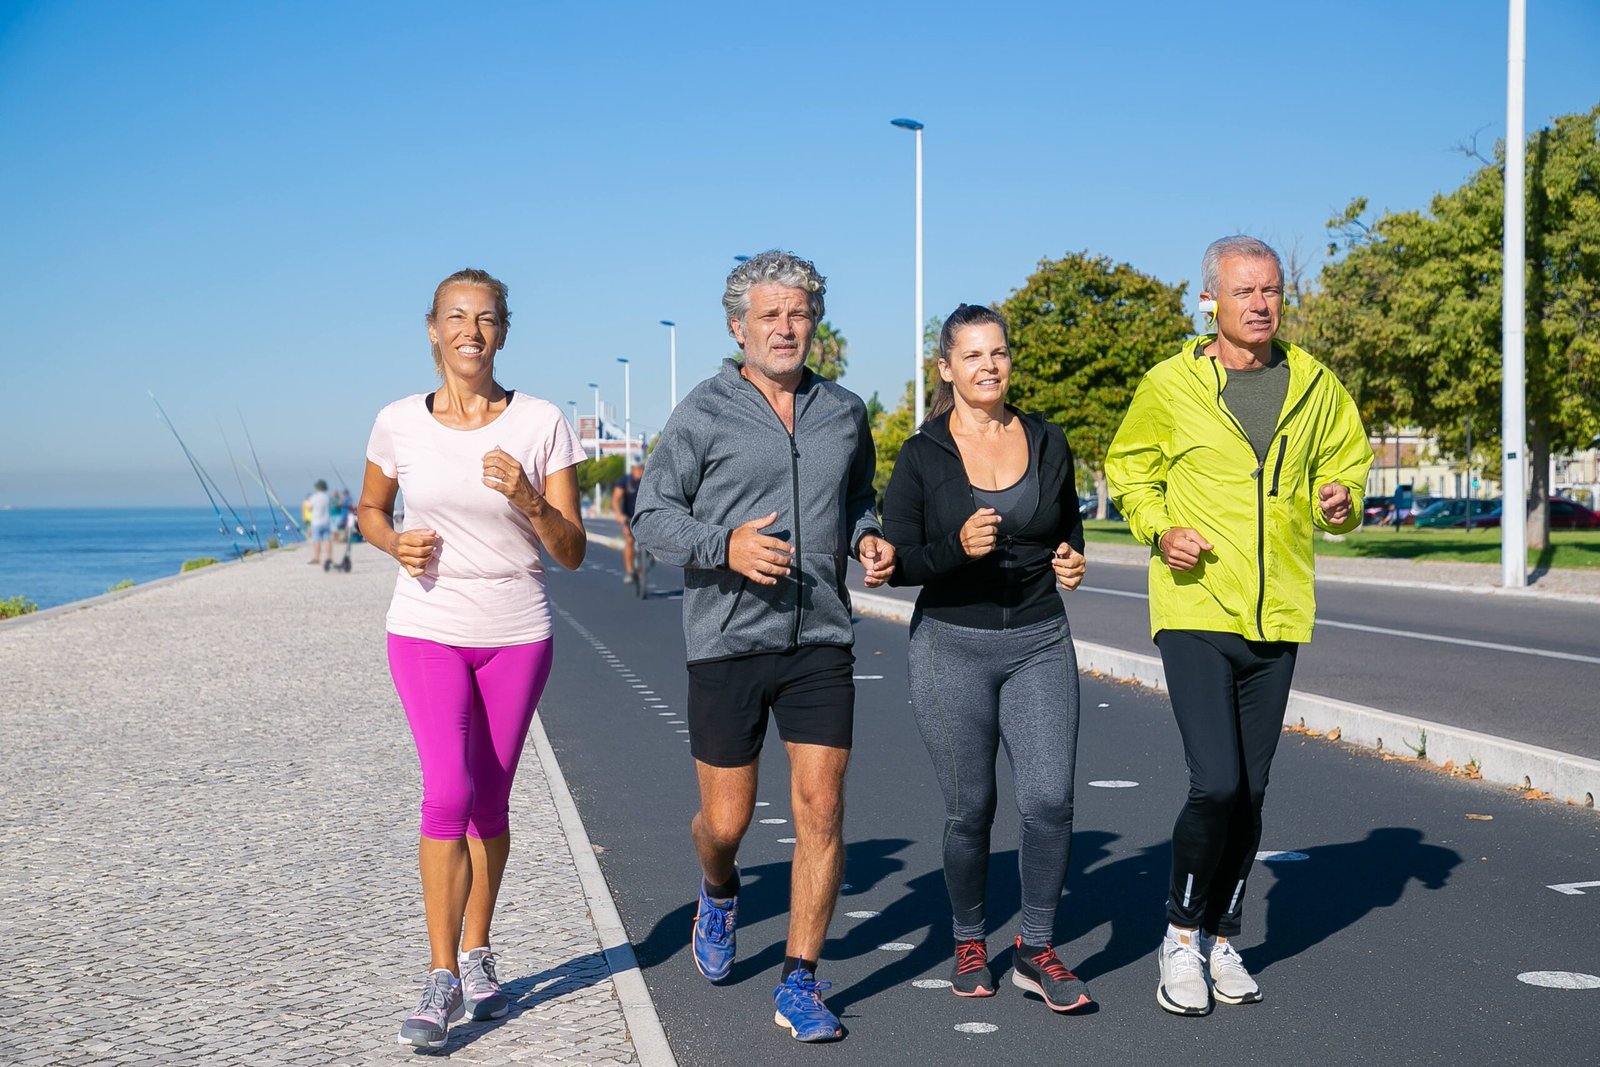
(928, 500)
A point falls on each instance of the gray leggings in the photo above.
(972, 690)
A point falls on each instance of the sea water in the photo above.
(54, 556)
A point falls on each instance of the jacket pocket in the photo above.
(733, 608)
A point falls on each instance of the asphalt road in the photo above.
(1400, 936)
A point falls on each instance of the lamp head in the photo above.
(668, 322)
(906, 124)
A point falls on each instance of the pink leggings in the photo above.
(469, 710)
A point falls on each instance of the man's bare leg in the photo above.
(816, 797)
(727, 802)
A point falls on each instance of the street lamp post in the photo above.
(573, 404)
(1513, 398)
(672, 343)
(627, 415)
(916, 340)
(596, 387)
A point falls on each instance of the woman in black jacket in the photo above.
(982, 510)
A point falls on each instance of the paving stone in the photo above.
(213, 824)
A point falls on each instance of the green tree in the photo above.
(1410, 314)
(1083, 332)
(605, 472)
(828, 347)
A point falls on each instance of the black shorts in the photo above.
(810, 691)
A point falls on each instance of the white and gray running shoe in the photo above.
(1182, 990)
(1230, 982)
(440, 1006)
(480, 986)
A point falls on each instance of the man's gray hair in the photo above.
(1236, 245)
(780, 268)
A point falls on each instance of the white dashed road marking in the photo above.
(1560, 979)
(1281, 857)
(976, 1028)
(862, 914)
(931, 983)
(896, 946)
(1113, 783)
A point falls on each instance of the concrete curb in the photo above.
(1500, 760)
(644, 1025)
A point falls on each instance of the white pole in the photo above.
(916, 347)
(1513, 403)
(627, 417)
(595, 386)
(672, 340)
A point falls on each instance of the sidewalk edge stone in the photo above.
(644, 1024)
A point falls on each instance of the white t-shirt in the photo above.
(484, 586)
(319, 508)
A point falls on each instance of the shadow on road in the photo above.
(1338, 885)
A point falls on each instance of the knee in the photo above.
(819, 812)
(447, 809)
(724, 828)
(1216, 796)
(1046, 812)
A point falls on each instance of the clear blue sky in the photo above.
(247, 206)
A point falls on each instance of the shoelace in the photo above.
(1229, 955)
(1187, 955)
(811, 987)
(716, 920)
(971, 956)
(1047, 962)
(485, 963)
(435, 996)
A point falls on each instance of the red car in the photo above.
(1564, 515)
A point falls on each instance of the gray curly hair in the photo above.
(1236, 245)
(781, 268)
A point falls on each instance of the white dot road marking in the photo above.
(683, 731)
(1281, 857)
(1113, 783)
(864, 915)
(846, 888)
(763, 803)
(867, 677)
(976, 1028)
(896, 946)
(638, 685)
(1102, 705)
(785, 840)
(1560, 979)
(931, 983)
(773, 822)
(674, 722)
(1493, 646)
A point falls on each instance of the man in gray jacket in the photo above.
(760, 488)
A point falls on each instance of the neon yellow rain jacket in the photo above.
(1180, 458)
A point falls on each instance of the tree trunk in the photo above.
(1102, 501)
(1538, 484)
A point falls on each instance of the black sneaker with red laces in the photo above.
(971, 977)
(1038, 971)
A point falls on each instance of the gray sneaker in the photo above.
(441, 1005)
(1230, 982)
(1183, 976)
(481, 987)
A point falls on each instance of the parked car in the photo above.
(1374, 509)
(1089, 508)
(1564, 515)
(1446, 512)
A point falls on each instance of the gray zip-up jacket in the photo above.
(724, 459)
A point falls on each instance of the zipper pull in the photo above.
(794, 449)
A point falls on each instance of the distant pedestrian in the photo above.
(624, 495)
(490, 480)
(761, 489)
(319, 513)
(982, 509)
(1233, 453)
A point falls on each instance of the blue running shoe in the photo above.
(714, 939)
(802, 1011)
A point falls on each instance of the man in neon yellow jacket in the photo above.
(1232, 454)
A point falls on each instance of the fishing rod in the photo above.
(222, 524)
(266, 487)
(244, 496)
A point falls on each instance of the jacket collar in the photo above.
(1302, 368)
(938, 430)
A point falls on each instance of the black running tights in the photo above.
(1229, 696)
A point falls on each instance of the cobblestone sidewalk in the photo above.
(208, 817)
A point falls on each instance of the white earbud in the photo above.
(1208, 308)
